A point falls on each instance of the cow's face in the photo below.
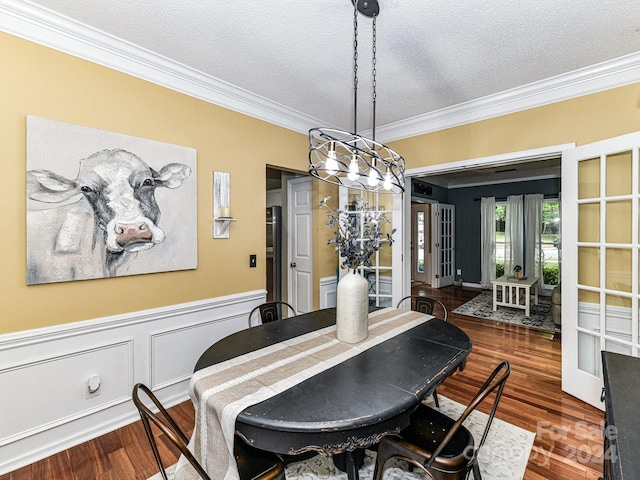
(121, 190)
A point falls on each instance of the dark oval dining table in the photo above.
(353, 404)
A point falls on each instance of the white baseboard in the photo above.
(46, 406)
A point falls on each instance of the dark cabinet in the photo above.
(622, 416)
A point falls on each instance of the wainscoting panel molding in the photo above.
(175, 352)
(46, 404)
(328, 292)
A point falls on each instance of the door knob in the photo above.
(293, 264)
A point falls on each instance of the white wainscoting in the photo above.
(328, 292)
(45, 405)
(619, 324)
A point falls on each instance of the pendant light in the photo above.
(346, 158)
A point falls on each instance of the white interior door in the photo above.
(444, 241)
(600, 193)
(300, 245)
(421, 243)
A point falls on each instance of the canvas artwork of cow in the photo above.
(103, 221)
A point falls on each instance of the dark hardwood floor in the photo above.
(568, 442)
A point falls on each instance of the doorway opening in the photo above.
(287, 246)
(275, 248)
(491, 172)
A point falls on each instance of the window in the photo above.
(550, 242)
(420, 250)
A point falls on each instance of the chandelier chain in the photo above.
(355, 66)
(373, 48)
(374, 58)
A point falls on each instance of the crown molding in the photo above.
(614, 73)
(45, 27)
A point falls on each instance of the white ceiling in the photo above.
(439, 62)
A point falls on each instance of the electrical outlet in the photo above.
(253, 261)
(92, 385)
(459, 271)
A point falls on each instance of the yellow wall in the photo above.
(325, 260)
(42, 82)
(580, 120)
(39, 81)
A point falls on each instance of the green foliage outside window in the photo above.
(549, 272)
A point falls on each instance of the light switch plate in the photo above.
(253, 261)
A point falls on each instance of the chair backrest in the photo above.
(495, 382)
(271, 312)
(167, 425)
(423, 304)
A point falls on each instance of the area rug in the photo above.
(540, 317)
(503, 457)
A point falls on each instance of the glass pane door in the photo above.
(600, 277)
(383, 291)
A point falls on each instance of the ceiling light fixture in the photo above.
(346, 158)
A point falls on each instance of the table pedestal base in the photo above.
(349, 462)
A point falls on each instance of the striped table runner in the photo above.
(220, 392)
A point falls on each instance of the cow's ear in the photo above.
(172, 175)
(49, 187)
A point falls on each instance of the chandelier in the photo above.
(346, 158)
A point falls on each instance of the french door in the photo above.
(600, 243)
(385, 273)
(444, 241)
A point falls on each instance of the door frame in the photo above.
(469, 164)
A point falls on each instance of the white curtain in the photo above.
(488, 241)
(513, 234)
(533, 235)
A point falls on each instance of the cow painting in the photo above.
(94, 226)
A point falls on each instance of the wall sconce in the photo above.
(221, 211)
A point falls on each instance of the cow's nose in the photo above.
(128, 233)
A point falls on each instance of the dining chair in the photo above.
(422, 304)
(271, 311)
(253, 464)
(438, 445)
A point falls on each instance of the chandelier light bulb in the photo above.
(372, 180)
(387, 181)
(331, 165)
(354, 172)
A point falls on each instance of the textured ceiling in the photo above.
(430, 54)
